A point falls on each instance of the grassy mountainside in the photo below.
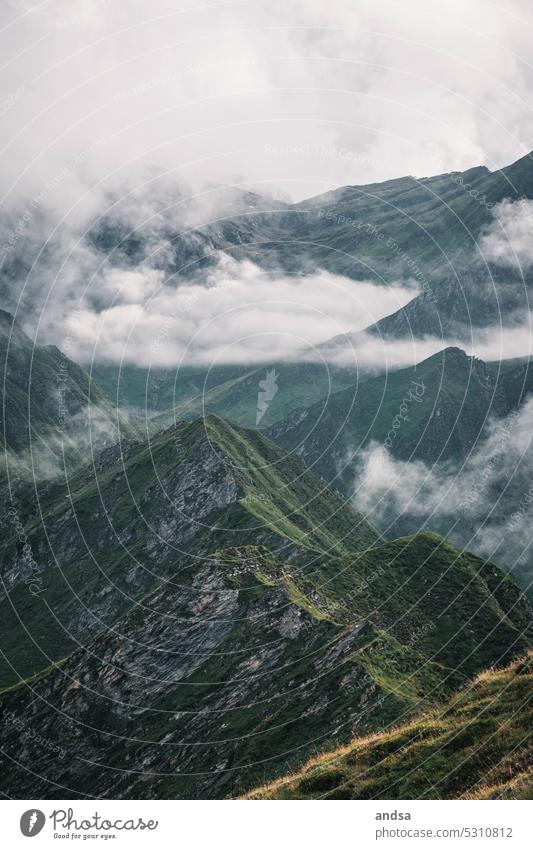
(51, 409)
(435, 411)
(323, 413)
(297, 384)
(455, 414)
(477, 746)
(198, 614)
(430, 219)
(230, 391)
(240, 667)
(149, 390)
(448, 401)
(109, 534)
(431, 595)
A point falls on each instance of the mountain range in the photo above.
(200, 596)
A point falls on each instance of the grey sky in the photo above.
(297, 96)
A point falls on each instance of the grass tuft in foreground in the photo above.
(478, 746)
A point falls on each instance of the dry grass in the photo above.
(478, 746)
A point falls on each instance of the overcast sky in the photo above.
(288, 97)
(294, 95)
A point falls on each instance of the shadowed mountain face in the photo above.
(423, 232)
(472, 297)
(202, 613)
(427, 230)
(443, 445)
(435, 411)
(358, 231)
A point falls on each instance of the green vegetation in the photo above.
(230, 391)
(476, 746)
(427, 220)
(269, 661)
(111, 533)
(53, 413)
(202, 612)
(435, 411)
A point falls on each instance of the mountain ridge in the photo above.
(235, 669)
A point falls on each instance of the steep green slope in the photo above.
(478, 746)
(515, 378)
(52, 412)
(376, 230)
(442, 446)
(109, 534)
(431, 596)
(361, 231)
(435, 411)
(242, 666)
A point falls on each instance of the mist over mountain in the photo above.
(162, 276)
(282, 502)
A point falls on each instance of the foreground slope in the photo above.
(240, 667)
(477, 746)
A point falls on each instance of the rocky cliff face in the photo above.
(208, 676)
(78, 555)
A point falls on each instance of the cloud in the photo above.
(509, 239)
(371, 352)
(387, 487)
(236, 313)
(54, 452)
(136, 112)
(484, 503)
(212, 91)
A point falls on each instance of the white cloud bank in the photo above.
(509, 239)
(298, 97)
(484, 503)
(238, 313)
(375, 353)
